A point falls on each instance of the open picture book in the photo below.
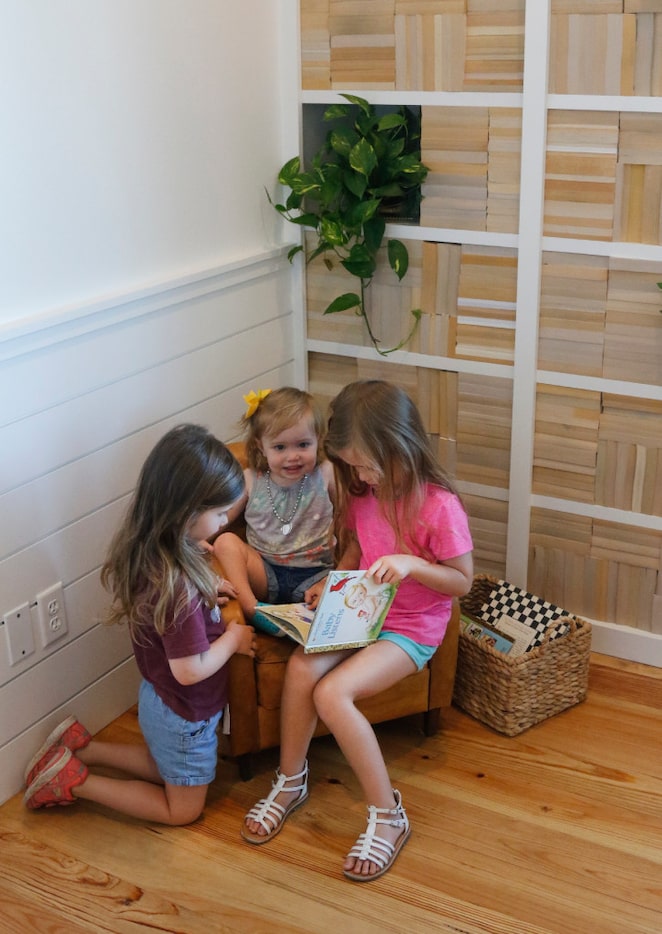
(350, 613)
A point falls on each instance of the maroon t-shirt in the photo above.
(192, 634)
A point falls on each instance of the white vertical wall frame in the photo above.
(292, 142)
(529, 266)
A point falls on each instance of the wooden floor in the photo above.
(557, 830)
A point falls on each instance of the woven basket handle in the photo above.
(569, 621)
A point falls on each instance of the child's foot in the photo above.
(56, 781)
(266, 819)
(372, 855)
(70, 733)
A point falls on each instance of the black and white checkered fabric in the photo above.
(525, 608)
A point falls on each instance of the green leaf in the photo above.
(304, 220)
(373, 231)
(359, 102)
(362, 212)
(389, 121)
(304, 183)
(343, 302)
(293, 252)
(289, 171)
(342, 139)
(332, 231)
(398, 258)
(293, 201)
(362, 158)
(360, 262)
(335, 111)
(355, 182)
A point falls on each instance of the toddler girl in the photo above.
(289, 511)
(159, 575)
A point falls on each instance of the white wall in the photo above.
(144, 282)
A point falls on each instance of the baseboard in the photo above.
(635, 645)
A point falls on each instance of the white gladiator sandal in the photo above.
(376, 849)
(269, 814)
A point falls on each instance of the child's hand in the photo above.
(246, 643)
(312, 595)
(391, 569)
(225, 590)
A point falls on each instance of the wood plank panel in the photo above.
(484, 415)
(429, 50)
(565, 443)
(315, 45)
(573, 298)
(454, 147)
(592, 53)
(633, 336)
(494, 49)
(503, 169)
(580, 174)
(362, 34)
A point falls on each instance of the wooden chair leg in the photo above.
(245, 766)
(431, 721)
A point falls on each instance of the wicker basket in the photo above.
(512, 694)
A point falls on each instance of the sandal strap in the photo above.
(370, 846)
(268, 809)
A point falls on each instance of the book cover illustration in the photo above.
(486, 634)
(350, 613)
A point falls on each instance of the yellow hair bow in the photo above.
(253, 400)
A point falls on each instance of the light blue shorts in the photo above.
(185, 752)
(419, 654)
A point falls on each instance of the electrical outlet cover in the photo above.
(18, 630)
(51, 614)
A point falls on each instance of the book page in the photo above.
(293, 619)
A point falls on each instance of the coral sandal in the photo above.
(70, 733)
(271, 815)
(375, 849)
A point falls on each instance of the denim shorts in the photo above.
(419, 654)
(185, 752)
(287, 584)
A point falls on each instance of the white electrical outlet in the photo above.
(51, 614)
(18, 630)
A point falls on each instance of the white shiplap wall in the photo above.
(82, 404)
(144, 282)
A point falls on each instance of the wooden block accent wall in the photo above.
(602, 570)
(596, 445)
(582, 149)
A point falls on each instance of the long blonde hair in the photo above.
(277, 412)
(380, 421)
(153, 569)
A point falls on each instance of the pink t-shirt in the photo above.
(442, 529)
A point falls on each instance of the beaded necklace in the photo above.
(285, 523)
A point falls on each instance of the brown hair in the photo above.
(153, 569)
(277, 412)
(380, 421)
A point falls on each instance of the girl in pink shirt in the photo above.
(400, 519)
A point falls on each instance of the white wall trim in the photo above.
(30, 333)
(635, 645)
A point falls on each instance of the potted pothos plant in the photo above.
(369, 168)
